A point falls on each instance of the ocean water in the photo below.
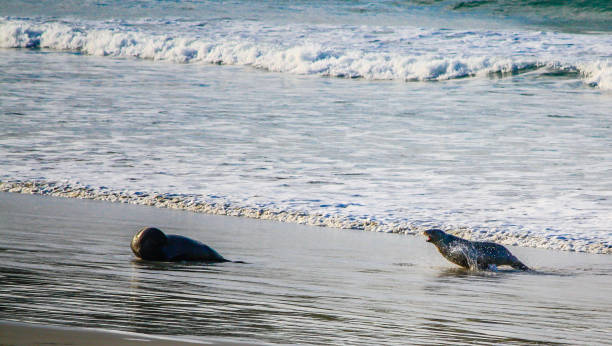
(491, 119)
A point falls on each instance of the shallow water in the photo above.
(68, 262)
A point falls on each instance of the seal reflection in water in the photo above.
(152, 244)
(472, 254)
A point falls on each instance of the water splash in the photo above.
(467, 250)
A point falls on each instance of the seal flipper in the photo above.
(189, 258)
(516, 264)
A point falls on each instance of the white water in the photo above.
(370, 52)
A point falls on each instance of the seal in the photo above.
(152, 244)
(472, 254)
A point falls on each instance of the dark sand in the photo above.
(15, 333)
(67, 265)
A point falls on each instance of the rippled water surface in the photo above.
(68, 262)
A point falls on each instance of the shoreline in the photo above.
(195, 203)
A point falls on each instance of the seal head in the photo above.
(148, 244)
(434, 235)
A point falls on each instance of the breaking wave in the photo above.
(372, 53)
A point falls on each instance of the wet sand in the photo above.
(15, 333)
(67, 264)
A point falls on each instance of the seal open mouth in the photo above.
(429, 240)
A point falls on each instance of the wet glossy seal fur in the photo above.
(472, 254)
(152, 244)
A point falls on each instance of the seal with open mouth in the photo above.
(472, 254)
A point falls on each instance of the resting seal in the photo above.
(472, 254)
(152, 244)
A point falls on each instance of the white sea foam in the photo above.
(598, 73)
(375, 53)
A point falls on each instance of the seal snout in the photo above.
(432, 235)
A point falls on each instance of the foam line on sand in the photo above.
(196, 203)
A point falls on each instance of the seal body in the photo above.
(152, 244)
(472, 254)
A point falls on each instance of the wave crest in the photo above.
(302, 58)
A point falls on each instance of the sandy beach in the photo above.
(67, 265)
